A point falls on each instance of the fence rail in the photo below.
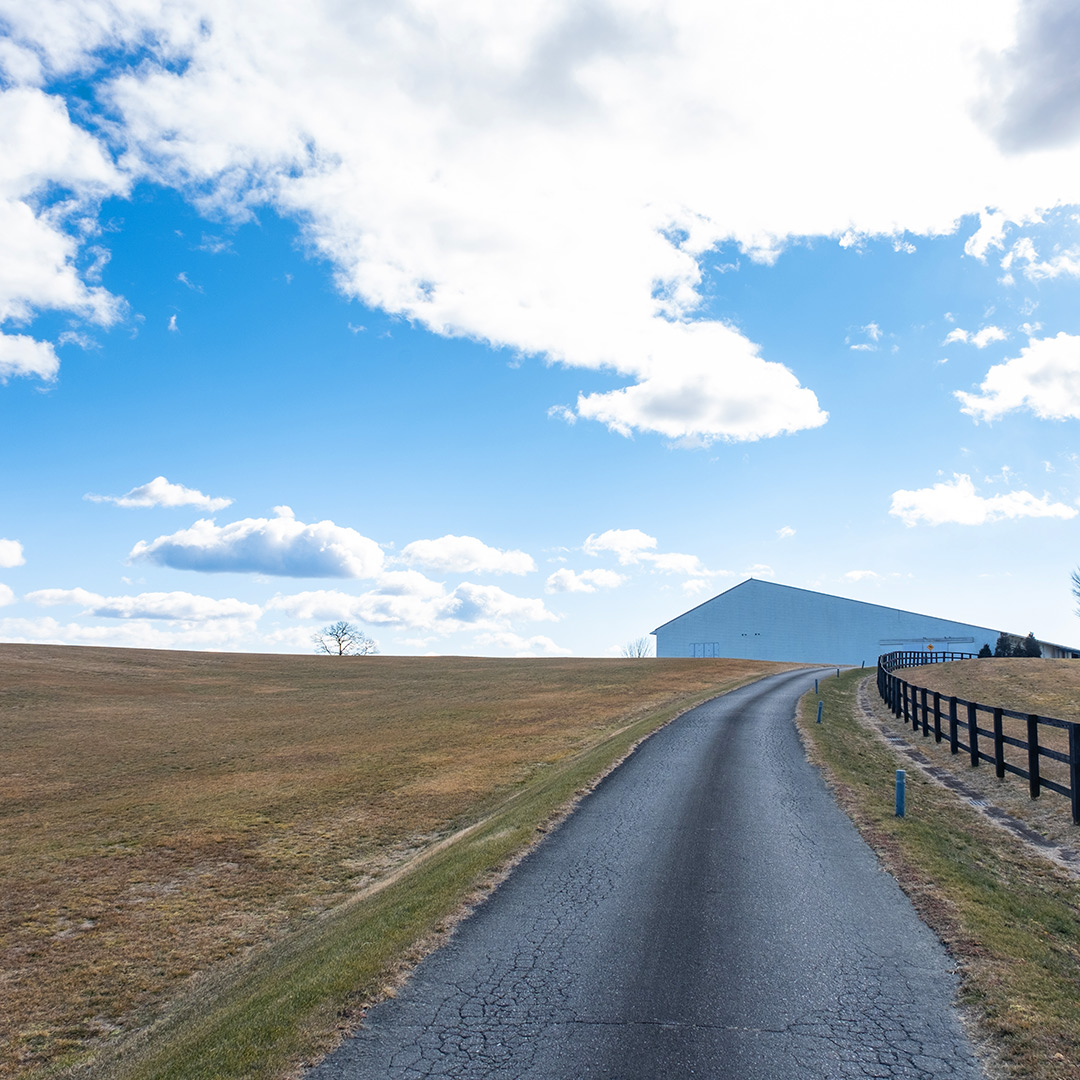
(959, 721)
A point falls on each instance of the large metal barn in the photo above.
(760, 620)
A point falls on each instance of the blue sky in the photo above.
(522, 331)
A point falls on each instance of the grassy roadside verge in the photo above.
(1010, 919)
(282, 1007)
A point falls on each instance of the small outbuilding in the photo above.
(760, 620)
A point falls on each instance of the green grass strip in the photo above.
(1010, 918)
(282, 1006)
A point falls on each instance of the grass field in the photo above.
(191, 840)
(1010, 919)
(1045, 687)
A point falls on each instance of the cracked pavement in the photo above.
(707, 911)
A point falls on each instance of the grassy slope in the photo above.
(165, 816)
(1045, 687)
(1010, 919)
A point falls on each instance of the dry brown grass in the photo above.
(162, 812)
(1045, 687)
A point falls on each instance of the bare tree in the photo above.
(639, 648)
(1076, 588)
(343, 639)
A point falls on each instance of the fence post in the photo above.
(1034, 780)
(937, 716)
(1074, 770)
(973, 733)
(999, 745)
(925, 718)
(953, 741)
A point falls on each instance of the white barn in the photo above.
(760, 620)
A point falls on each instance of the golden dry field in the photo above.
(161, 812)
(1045, 687)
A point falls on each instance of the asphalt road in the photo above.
(706, 912)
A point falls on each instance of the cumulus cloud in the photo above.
(588, 581)
(633, 547)
(554, 179)
(759, 570)
(6, 595)
(1035, 101)
(280, 546)
(538, 645)
(408, 599)
(22, 355)
(178, 606)
(627, 545)
(957, 502)
(1044, 378)
(11, 554)
(1024, 256)
(862, 575)
(784, 532)
(159, 492)
(980, 339)
(41, 235)
(693, 586)
(465, 555)
(135, 633)
(989, 234)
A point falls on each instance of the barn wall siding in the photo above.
(759, 620)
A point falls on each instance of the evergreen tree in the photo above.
(1004, 646)
(984, 652)
(1029, 647)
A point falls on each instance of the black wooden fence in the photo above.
(958, 721)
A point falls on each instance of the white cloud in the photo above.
(22, 355)
(1044, 378)
(42, 235)
(1024, 256)
(6, 595)
(180, 606)
(627, 544)
(760, 570)
(676, 562)
(872, 331)
(465, 555)
(990, 234)
(484, 604)
(632, 547)
(280, 546)
(862, 575)
(11, 554)
(159, 492)
(956, 502)
(693, 586)
(551, 176)
(980, 339)
(408, 599)
(785, 532)
(537, 645)
(135, 633)
(566, 580)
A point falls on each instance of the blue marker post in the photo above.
(901, 779)
(820, 706)
(815, 686)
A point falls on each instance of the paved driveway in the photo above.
(706, 912)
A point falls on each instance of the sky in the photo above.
(520, 329)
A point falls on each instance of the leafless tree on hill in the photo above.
(344, 639)
(638, 649)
